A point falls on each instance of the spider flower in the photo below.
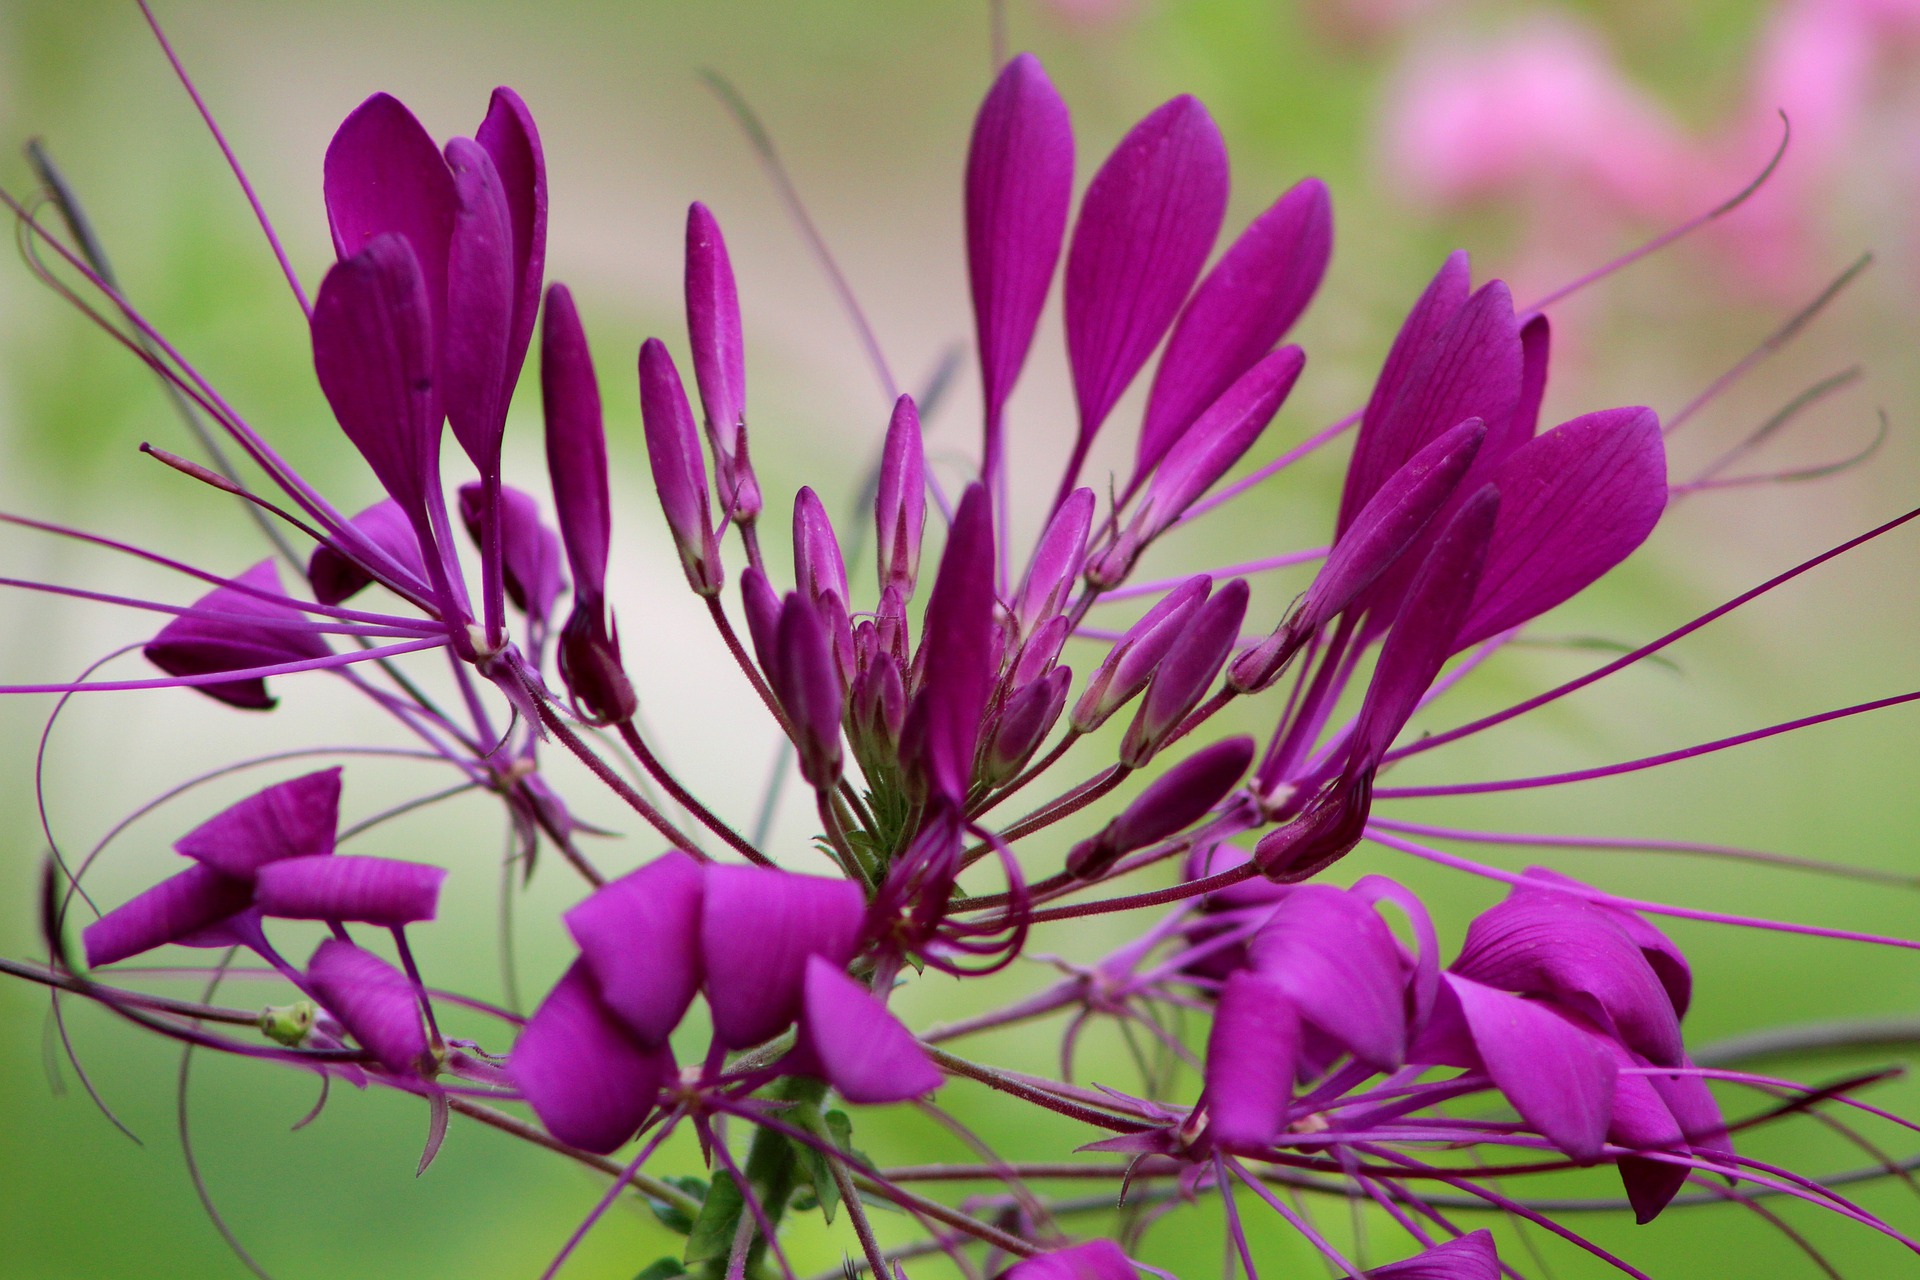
(954, 739)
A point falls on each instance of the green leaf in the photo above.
(672, 1216)
(665, 1269)
(713, 1231)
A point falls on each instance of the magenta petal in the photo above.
(1471, 1257)
(529, 551)
(640, 940)
(900, 502)
(373, 1000)
(336, 578)
(679, 470)
(482, 288)
(1559, 1077)
(957, 652)
(1421, 638)
(713, 328)
(1244, 306)
(382, 891)
(1019, 183)
(1548, 943)
(1220, 437)
(292, 819)
(576, 445)
(1250, 1062)
(1573, 504)
(1339, 963)
(1094, 1260)
(373, 348)
(590, 1082)
(756, 933)
(1399, 511)
(383, 174)
(219, 636)
(513, 143)
(862, 1049)
(172, 910)
(1146, 224)
(1641, 1120)
(1384, 443)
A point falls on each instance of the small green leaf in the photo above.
(713, 1231)
(672, 1216)
(665, 1269)
(826, 1192)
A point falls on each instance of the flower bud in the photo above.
(807, 681)
(1132, 660)
(818, 566)
(1177, 798)
(590, 668)
(1186, 672)
(679, 470)
(1057, 562)
(1028, 717)
(900, 502)
(719, 360)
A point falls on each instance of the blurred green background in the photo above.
(871, 104)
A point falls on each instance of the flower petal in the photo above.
(1218, 438)
(1245, 305)
(373, 348)
(640, 940)
(589, 1082)
(1136, 655)
(513, 143)
(384, 175)
(482, 287)
(382, 891)
(807, 681)
(373, 1000)
(1093, 1260)
(1250, 1062)
(1421, 639)
(862, 1050)
(1548, 943)
(1559, 1077)
(956, 653)
(292, 819)
(176, 908)
(335, 578)
(218, 635)
(756, 933)
(1470, 1257)
(1574, 503)
(1187, 672)
(1146, 224)
(529, 551)
(1019, 183)
(1339, 963)
(1057, 560)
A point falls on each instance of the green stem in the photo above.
(773, 1169)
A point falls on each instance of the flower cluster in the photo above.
(1340, 1056)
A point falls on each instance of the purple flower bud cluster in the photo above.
(1308, 1038)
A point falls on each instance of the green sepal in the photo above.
(664, 1269)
